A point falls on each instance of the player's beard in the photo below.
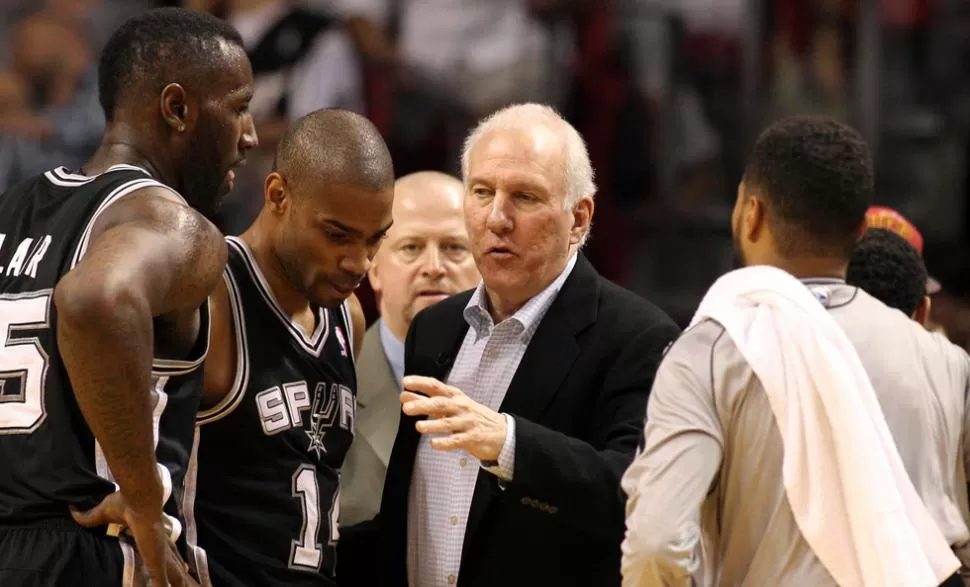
(202, 175)
(737, 254)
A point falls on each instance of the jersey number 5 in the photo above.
(306, 552)
(23, 362)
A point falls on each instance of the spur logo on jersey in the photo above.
(281, 408)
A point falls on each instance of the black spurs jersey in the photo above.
(261, 495)
(49, 457)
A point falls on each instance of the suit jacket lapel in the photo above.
(439, 344)
(546, 362)
(443, 340)
(553, 347)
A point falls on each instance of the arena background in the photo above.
(669, 95)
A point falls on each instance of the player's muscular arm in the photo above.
(220, 363)
(359, 323)
(149, 256)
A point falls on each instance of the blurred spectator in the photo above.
(808, 59)
(454, 61)
(50, 114)
(303, 60)
(658, 35)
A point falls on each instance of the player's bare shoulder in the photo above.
(189, 246)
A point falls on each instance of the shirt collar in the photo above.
(823, 288)
(822, 281)
(526, 320)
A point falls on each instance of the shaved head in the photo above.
(426, 256)
(335, 146)
(427, 189)
(328, 203)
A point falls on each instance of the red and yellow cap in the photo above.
(889, 219)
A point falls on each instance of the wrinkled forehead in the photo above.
(533, 155)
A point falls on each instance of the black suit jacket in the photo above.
(579, 400)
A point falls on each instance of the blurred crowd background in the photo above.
(669, 95)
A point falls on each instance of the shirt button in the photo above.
(490, 353)
(451, 579)
(454, 520)
(462, 462)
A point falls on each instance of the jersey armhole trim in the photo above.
(173, 367)
(241, 379)
(119, 192)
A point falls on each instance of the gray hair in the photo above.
(577, 169)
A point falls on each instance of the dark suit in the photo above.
(579, 399)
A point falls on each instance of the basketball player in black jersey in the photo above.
(103, 322)
(279, 403)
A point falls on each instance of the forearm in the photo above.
(583, 483)
(666, 485)
(662, 542)
(106, 344)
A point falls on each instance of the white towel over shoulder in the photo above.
(849, 493)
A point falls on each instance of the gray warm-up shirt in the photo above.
(712, 465)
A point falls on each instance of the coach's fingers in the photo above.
(429, 386)
(408, 397)
(452, 442)
(443, 425)
(436, 407)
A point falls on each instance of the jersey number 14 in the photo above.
(306, 552)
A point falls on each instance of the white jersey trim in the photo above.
(198, 559)
(314, 344)
(173, 367)
(241, 380)
(61, 177)
(119, 192)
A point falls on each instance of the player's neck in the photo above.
(121, 145)
(291, 301)
(809, 267)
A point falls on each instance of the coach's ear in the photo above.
(922, 313)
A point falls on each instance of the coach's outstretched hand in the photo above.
(462, 422)
(151, 535)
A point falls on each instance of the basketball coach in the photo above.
(523, 398)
